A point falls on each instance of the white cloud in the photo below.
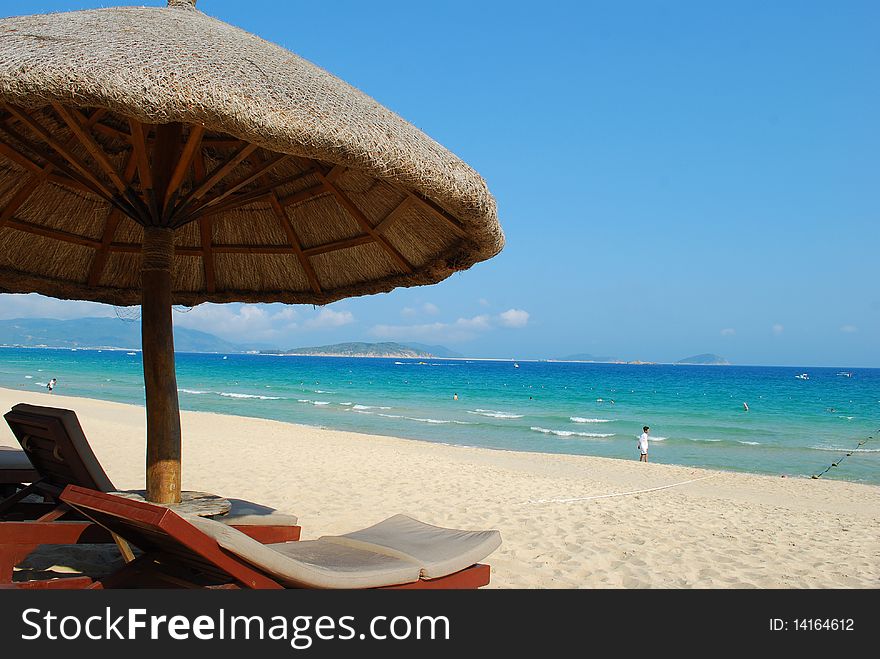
(514, 318)
(427, 308)
(778, 329)
(462, 329)
(849, 329)
(240, 323)
(31, 305)
(728, 331)
(329, 318)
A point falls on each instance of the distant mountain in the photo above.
(586, 357)
(707, 359)
(100, 333)
(436, 351)
(387, 349)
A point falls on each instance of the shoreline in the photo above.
(319, 427)
(566, 521)
(46, 399)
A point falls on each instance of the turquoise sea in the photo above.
(796, 427)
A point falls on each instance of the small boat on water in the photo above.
(803, 376)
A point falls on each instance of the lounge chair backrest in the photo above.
(57, 447)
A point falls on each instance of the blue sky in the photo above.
(672, 177)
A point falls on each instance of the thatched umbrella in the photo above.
(158, 156)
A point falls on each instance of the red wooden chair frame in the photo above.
(178, 554)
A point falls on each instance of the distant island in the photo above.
(706, 359)
(101, 333)
(356, 349)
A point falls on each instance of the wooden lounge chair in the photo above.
(187, 551)
(56, 445)
(15, 471)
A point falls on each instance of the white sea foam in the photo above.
(580, 419)
(495, 414)
(838, 449)
(571, 433)
(243, 396)
(420, 420)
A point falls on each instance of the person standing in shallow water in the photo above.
(643, 444)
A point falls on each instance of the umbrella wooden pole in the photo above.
(163, 411)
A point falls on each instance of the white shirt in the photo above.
(643, 442)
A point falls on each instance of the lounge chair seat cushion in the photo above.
(248, 513)
(439, 551)
(14, 459)
(312, 563)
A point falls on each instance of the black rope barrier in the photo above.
(861, 443)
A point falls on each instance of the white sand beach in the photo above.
(566, 521)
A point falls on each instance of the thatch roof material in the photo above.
(289, 185)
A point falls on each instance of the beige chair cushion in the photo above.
(314, 563)
(248, 513)
(438, 550)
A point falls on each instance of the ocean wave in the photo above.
(495, 414)
(235, 395)
(435, 421)
(837, 449)
(580, 419)
(421, 420)
(571, 433)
